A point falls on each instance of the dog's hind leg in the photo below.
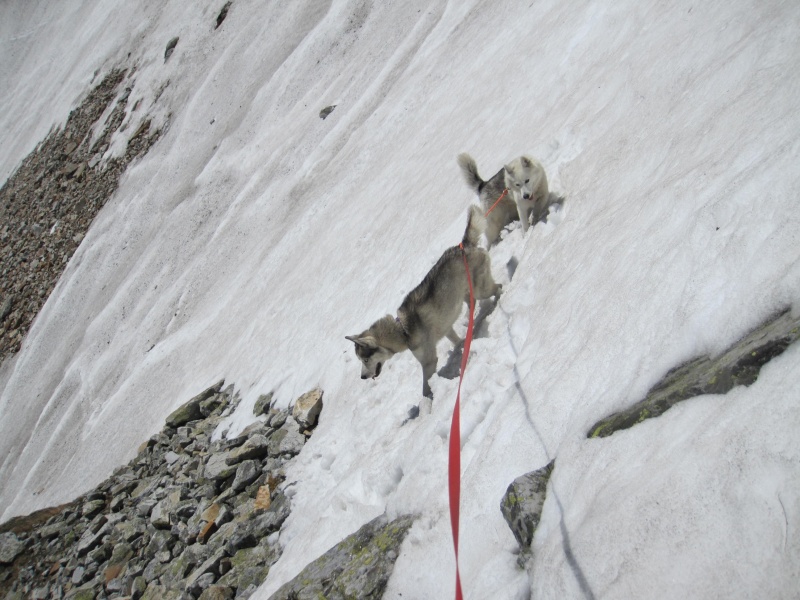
(453, 336)
(493, 229)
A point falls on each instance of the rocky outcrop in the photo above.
(48, 204)
(739, 365)
(198, 407)
(522, 506)
(358, 567)
(187, 518)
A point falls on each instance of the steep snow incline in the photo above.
(254, 236)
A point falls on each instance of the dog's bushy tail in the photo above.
(470, 171)
(476, 225)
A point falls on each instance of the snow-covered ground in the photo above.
(254, 236)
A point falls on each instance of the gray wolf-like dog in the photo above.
(528, 194)
(429, 311)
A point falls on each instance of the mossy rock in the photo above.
(738, 365)
(86, 593)
(261, 406)
(357, 568)
(190, 411)
(159, 592)
(249, 566)
(522, 504)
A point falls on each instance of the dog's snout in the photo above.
(526, 196)
(365, 377)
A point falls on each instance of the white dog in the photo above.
(524, 181)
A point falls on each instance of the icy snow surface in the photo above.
(254, 236)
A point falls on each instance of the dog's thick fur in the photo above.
(528, 194)
(429, 311)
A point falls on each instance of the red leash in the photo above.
(454, 467)
(496, 202)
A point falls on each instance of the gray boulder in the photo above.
(10, 547)
(190, 411)
(307, 408)
(522, 505)
(249, 566)
(262, 404)
(217, 467)
(246, 473)
(287, 441)
(357, 567)
(210, 565)
(160, 515)
(257, 446)
(98, 528)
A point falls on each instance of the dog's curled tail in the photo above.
(476, 225)
(470, 171)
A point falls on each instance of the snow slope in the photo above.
(254, 236)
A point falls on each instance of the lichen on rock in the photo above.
(738, 365)
(522, 505)
(358, 567)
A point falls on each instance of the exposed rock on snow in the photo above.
(307, 408)
(191, 410)
(739, 365)
(323, 114)
(522, 505)
(262, 404)
(170, 48)
(357, 567)
(223, 13)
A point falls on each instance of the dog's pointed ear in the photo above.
(526, 162)
(363, 341)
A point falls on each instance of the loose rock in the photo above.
(522, 506)
(180, 520)
(10, 547)
(262, 404)
(307, 408)
(48, 204)
(191, 410)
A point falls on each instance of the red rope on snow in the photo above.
(454, 466)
